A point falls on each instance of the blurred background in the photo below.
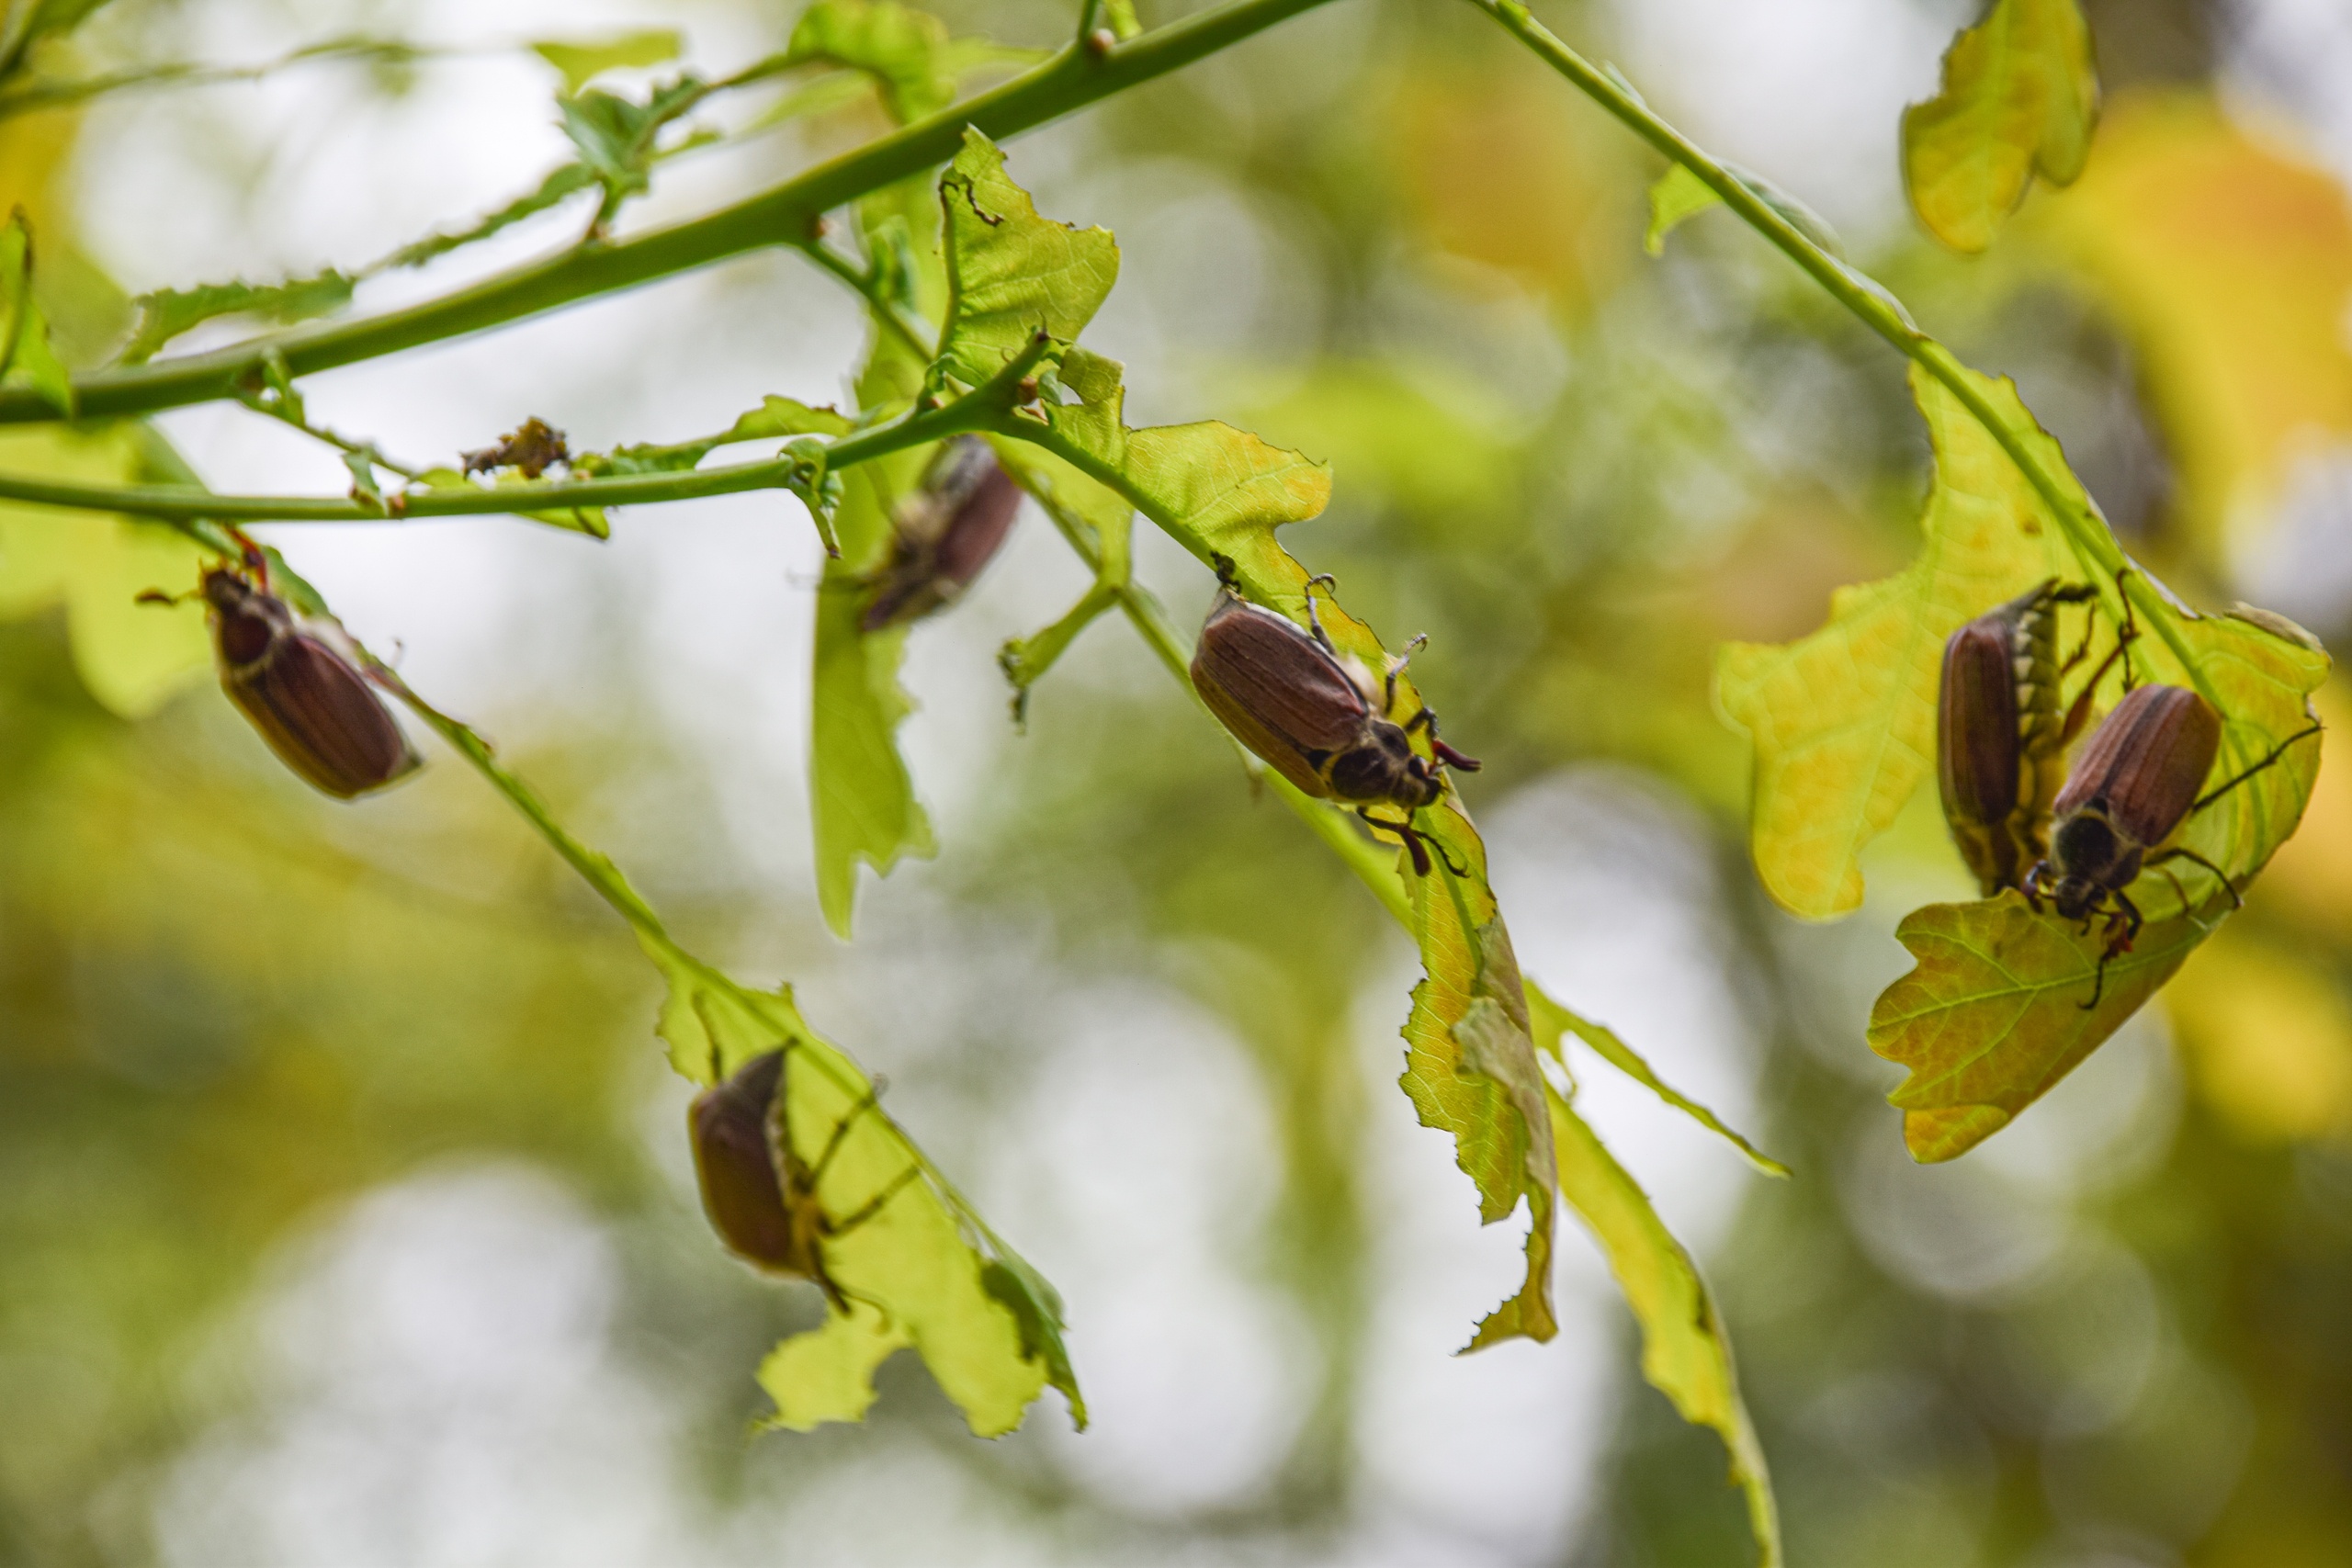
(345, 1214)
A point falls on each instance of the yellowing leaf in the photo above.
(914, 1262)
(1998, 1007)
(1012, 274)
(1844, 719)
(1685, 1353)
(131, 656)
(1677, 193)
(2230, 263)
(583, 62)
(1552, 1021)
(2019, 97)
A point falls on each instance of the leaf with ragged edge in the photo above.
(1844, 718)
(1678, 195)
(2019, 96)
(583, 62)
(1010, 273)
(131, 656)
(1686, 1355)
(919, 1272)
(1551, 1021)
(166, 313)
(561, 184)
(1222, 492)
(1995, 1012)
(860, 797)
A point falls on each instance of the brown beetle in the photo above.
(1998, 735)
(761, 1196)
(306, 696)
(946, 532)
(1316, 716)
(2133, 786)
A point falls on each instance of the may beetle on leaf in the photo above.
(1318, 716)
(305, 694)
(1999, 736)
(946, 532)
(2135, 785)
(760, 1195)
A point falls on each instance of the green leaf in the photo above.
(920, 1271)
(131, 656)
(2021, 96)
(364, 487)
(1676, 195)
(26, 357)
(562, 182)
(1010, 273)
(1686, 1355)
(862, 797)
(617, 138)
(1844, 719)
(1552, 1021)
(903, 51)
(168, 312)
(581, 62)
(1121, 15)
(1995, 1014)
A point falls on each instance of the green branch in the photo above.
(977, 409)
(1870, 303)
(786, 215)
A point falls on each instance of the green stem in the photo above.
(786, 215)
(56, 94)
(2086, 531)
(915, 333)
(975, 410)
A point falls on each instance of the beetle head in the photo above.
(1383, 766)
(2092, 861)
(246, 619)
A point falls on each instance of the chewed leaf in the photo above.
(1844, 719)
(1998, 1010)
(907, 1263)
(1676, 195)
(168, 312)
(1012, 274)
(583, 62)
(862, 797)
(562, 182)
(1553, 1021)
(2019, 97)
(1685, 1352)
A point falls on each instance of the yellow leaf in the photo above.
(1844, 719)
(2019, 97)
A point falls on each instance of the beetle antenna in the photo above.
(2276, 752)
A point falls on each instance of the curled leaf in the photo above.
(2020, 94)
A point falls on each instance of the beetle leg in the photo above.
(2178, 890)
(873, 1205)
(1313, 621)
(2031, 886)
(2277, 751)
(1404, 831)
(1397, 668)
(867, 1101)
(2078, 715)
(2179, 851)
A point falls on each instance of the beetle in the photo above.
(945, 533)
(304, 693)
(2133, 786)
(761, 1197)
(1318, 716)
(1998, 734)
